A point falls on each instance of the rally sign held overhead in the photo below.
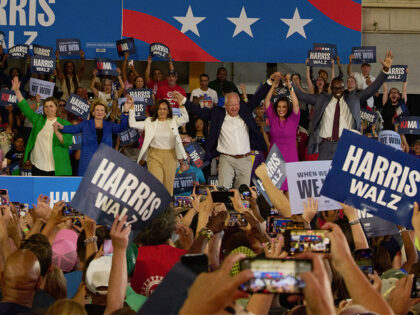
(305, 180)
(41, 64)
(43, 88)
(276, 166)
(319, 58)
(397, 73)
(78, 106)
(113, 184)
(374, 177)
(106, 66)
(7, 97)
(365, 54)
(409, 125)
(43, 51)
(68, 47)
(19, 51)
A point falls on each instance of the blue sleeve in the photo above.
(123, 125)
(73, 128)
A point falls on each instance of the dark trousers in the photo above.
(37, 172)
(326, 149)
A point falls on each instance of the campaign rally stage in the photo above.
(26, 189)
(113, 184)
(305, 180)
(371, 176)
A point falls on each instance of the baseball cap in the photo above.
(64, 254)
(172, 72)
(97, 275)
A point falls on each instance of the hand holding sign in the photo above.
(129, 104)
(178, 97)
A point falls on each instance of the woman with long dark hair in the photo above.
(69, 78)
(162, 145)
(284, 117)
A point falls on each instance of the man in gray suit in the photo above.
(337, 111)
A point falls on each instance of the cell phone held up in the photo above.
(302, 241)
(235, 219)
(275, 275)
(364, 260)
(69, 211)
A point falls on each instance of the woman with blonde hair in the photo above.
(66, 307)
(96, 131)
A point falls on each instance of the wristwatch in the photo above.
(357, 221)
(206, 232)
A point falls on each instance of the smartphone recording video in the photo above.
(183, 201)
(364, 259)
(222, 196)
(276, 225)
(301, 241)
(235, 219)
(275, 275)
(69, 211)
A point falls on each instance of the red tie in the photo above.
(336, 122)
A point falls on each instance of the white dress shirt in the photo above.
(327, 120)
(234, 136)
(361, 85)
(42, 155)
(164, 137)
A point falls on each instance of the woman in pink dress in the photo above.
(283, 116)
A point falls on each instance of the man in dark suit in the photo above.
(233, 134)
(337, 111)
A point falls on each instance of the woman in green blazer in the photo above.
(47, 148)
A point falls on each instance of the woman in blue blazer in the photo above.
(96, 131)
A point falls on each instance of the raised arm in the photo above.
(404, 88)
(147, 72)
(124, 67)
(332, 74)
(279, 200)
(171, 64)
(304, 97)
(92, 84)
(293, 96)
(267, 100)
(60, 74)
(258, 96)
(410, 249)
(349, 72)
(374, 87)
(359, 237)
(132, 122)
(22, 103)
(180, 121)
(82, 65)
(121, 82)
(385, 93)
(118, 276)
(340, 70)
(204, 113)
(309, 79)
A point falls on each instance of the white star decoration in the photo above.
(243, 23)
(296, 24)
(189, 22)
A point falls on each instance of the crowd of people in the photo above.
(191, 258)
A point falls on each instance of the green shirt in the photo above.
(218, 86)
(60, 150)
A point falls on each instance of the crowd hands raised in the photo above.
(71, 265)
(53, 263)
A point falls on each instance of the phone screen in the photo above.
(275, 275)
(364, 259)
(183, 201)
(222, 196)
(69, 211)
(235, 219)
(198, 263)
(301, 241)
(4, 200)
(276, 225)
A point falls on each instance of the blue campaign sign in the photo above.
(327, 47)
(78, 106)
(26, 189)
(365, 54)
(188, 28)
(43, 51)
(319, 58)
(371, 176)
(145, 94)
(374, 226)
(368, 116)
(113, 184)
(7, 97)
(159, 50)
(184, 183)
(196, 153)
(125, 45)
(68, 46)
(390, 138)
(128, 136)
(77, 142)
(41, 64)
(106, 66)
(397, 73)
(260, 188)
(19, 51)
(276, 166)
(409, 125)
